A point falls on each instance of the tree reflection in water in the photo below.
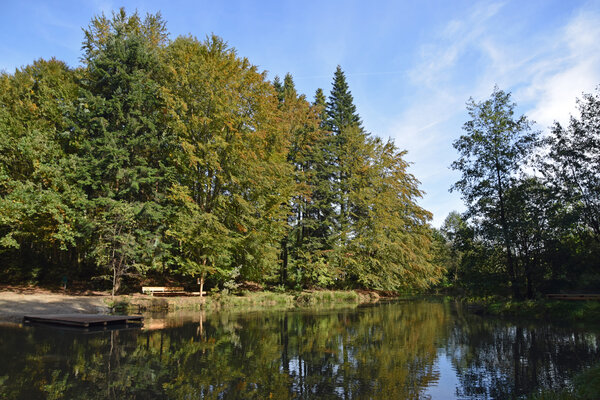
(384, 351)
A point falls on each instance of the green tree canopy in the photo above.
(125, 142)
(574, 161)
(491, 155)
(231, 161)
(40, 207)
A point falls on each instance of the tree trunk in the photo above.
(284, 260)
(507, 242)
(529, 277)
(114, 282)
(202, 281)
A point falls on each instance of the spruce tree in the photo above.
(289, 88)
(378, 236)
(341, 111)
(312, 218)
(278, 86)
(302, 124)
(347, 148)
(126, 143)
(320, 102)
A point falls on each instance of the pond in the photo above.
(416, 349)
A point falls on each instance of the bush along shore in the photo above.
(246, 300)
(539, 309)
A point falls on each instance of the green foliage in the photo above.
(123, 142)
(117, 246)
(169, 160)
(301, 124)
(390, 240)
(573, 163)
(164, 160)
(544, 226)
(40, 210)
(571, 312)
(232, 169)
(361, 226)
(492, 152)
(341, 111)
(587, 383)
(323, 297)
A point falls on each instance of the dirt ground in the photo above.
(15, 302)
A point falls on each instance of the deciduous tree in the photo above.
(492, 152)
(573, 162)
(233, 178)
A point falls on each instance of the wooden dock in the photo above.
(83, 320)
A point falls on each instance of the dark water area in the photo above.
(423, 349)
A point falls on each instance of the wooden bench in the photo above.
(162, 290)
(573, 296)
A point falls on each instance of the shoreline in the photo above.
(552, 310)
(246, 301)
(14, 305)
(17, 302)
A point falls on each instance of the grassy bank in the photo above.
(542, 309)
(245, 301)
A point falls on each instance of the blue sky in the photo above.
(411, 65)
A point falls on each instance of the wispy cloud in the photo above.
(571, 69)
(546, 71)
(446, 51)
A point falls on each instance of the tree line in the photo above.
(161, 160)
(532, 223)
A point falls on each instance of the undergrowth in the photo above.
(244, 300)
(552, 310)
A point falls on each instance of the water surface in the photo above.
(400, 350)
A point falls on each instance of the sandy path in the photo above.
(14, 305)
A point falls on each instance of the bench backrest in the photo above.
(162, 289)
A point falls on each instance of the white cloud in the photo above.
(454, 40)
(546, 71)
(575, 69)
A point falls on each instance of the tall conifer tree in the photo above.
(348, 149)
(302, 124)
(341, 111)
(120, 120)
(320, 101)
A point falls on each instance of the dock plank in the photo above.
(83, 320)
